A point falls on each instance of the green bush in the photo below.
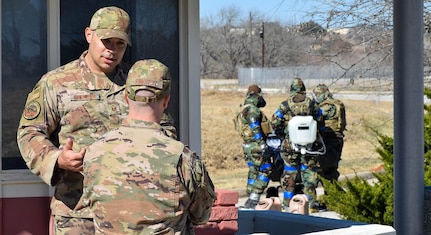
(358, 200)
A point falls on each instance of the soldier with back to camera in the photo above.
(334, 113)
(138, 180)
(296, 165)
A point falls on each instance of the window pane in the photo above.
(73, 20)
(24, 60)
(155, 35)
(24, 51)
(154, 25)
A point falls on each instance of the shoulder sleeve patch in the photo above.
(32, 110)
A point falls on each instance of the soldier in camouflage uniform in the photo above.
(253, 122)
(333, 111)
(298, 103)
(137, 180)
(69, 108)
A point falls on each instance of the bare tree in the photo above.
(225, 44)
(208, 52)
(371, 24)
(229, 42)
(354, 36)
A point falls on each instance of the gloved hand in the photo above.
(287, 147)
(266, 154)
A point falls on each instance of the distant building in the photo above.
(342, 31)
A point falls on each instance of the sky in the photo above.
(286, 11)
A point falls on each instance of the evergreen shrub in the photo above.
(359, 200)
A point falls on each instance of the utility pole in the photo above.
(262, 35)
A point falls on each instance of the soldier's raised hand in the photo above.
(70, 160)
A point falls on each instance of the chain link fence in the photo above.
(330, 75)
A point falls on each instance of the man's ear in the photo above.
(126, 97)
(88, 34)
(166, 101)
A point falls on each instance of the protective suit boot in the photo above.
(250, 203)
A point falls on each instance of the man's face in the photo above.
(104, 54)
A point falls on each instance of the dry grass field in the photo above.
(221, 145)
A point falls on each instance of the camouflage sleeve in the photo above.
(37, 123)
(317, 114)
(167, 123)
(328, 110)
(254, 116)
(199, 186)
(342, 120)
(278, 118)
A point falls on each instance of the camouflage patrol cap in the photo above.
(297, 86)
(111, 22)
(149, 75)
(320, 93)
(254, 89)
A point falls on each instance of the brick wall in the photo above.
(224, 216)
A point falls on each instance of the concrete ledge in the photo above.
(368, 229)
(274, 222)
